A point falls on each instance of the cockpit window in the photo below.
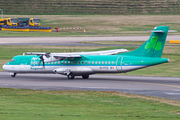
(36, 21)
(12, 60)
(13, 20)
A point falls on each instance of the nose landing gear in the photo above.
(13, 74)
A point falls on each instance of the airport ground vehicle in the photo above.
(8, 22)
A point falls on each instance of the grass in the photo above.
(171, 69)
(75, 7)
(99, 25)
(19, 104)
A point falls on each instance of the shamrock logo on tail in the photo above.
(152, 44)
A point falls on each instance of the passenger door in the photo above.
(119, 63)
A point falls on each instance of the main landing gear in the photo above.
(71, 76)
(13, 74)
(85, 76)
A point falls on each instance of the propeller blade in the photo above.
(39, 62)
(42, 59)
(43, 64)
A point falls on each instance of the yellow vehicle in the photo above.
(9, 21)
(35, 22)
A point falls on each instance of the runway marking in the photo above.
(157, 84)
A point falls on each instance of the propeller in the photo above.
(42, 59)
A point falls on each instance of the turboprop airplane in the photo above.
(88, 63)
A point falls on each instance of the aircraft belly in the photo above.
(29, 69)
(82, 70)
(130, 68)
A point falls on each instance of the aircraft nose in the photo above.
(4, 67)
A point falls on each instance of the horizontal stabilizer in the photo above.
(160, 31)
(157, 31)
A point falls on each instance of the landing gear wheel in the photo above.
(71, 76)
(85, 76)
(13, 74)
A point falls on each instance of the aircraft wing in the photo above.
(104, 52)
(60, 56)
(78, 54)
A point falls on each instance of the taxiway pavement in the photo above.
(164, 87)
(72, 41)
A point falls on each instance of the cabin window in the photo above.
(75, 62)
(61, 62)
(36, 62)
(65, 62)
(89, 62)
(68, 62)
(99, 62)
(109, 62)
(71, 62)
(86, 62)
(92, 62)
(102, 62)
(78, 62)
(82, 62)
(106, 62)
(112, 62)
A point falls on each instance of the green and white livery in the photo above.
(87, 63)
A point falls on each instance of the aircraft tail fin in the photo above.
(154, 46)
